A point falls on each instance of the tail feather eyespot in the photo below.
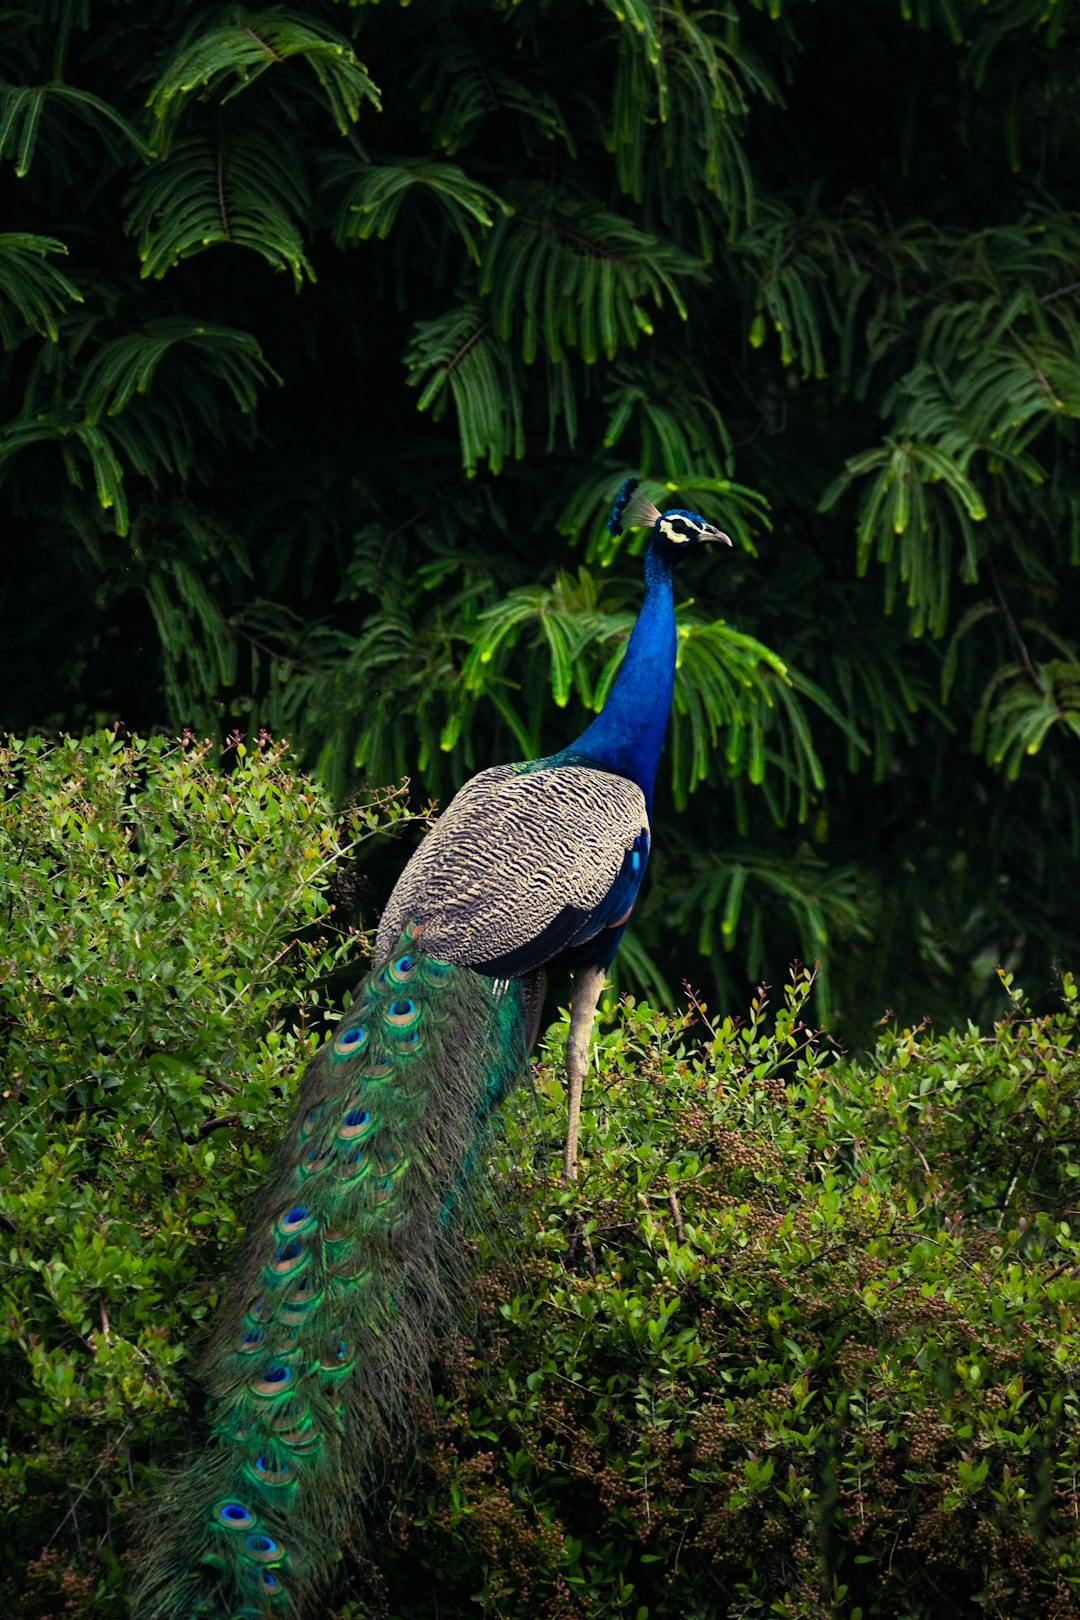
(295, 1429)
(377, 1071)
(300, 1301)
(317, 1157)
(356, 1124)
(233, 1515)
(289, 1257)
(355, 1161)
(297, 1218)
(401, 969)
(276, 1381)
(311, 1120)
(271, 1470)
(402, 1016)
(263, 1581)
(336, 1359)
(263, 1548)
(346, 1279)
(387, 1171)
(351, 1042)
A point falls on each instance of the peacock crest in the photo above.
(676, 526)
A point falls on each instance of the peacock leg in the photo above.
(588, 984)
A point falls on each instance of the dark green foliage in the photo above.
(329, 332)
(166, 939)
(802, 1339)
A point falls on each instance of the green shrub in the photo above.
(801, 1342)
(165, 932)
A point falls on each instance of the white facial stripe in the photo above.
(680, 535)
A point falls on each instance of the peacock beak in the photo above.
(709, 533)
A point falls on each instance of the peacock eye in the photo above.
(234, 1516)
(351, 1042)
(262, 1546)
(677, 530)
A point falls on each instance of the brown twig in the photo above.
(480, 332)
(676, 1215)
(1059, 292)
(222, 209)
(267, 47)
(1014, 630)
(698, 1006)
(217, 1123)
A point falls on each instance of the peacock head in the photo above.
(672, 530)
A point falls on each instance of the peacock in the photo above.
(352, 1251)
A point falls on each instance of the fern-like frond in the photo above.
(744, 889)
(1021, 705)
(673, 424)
(458, 359)
(463, 84)
(34, 290)
(799, 265)
(562, 273)
(113, 418)
(680, 96)
(222, 189)
(198, 650)
(567, 617)
(995, 380)
(918, 502)
(376, 191)
(61, 110)
(734, 697)
(218, 61)
(877, 694)
(127, 365)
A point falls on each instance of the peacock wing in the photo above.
(523, 866)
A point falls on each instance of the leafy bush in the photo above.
(801, 1341)
(164, 934)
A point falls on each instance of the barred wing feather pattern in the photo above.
(522, 866)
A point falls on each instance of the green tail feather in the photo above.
(348, 1258)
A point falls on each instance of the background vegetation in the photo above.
(330, 330)
(801, 1341)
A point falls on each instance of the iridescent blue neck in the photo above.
(628, 733)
